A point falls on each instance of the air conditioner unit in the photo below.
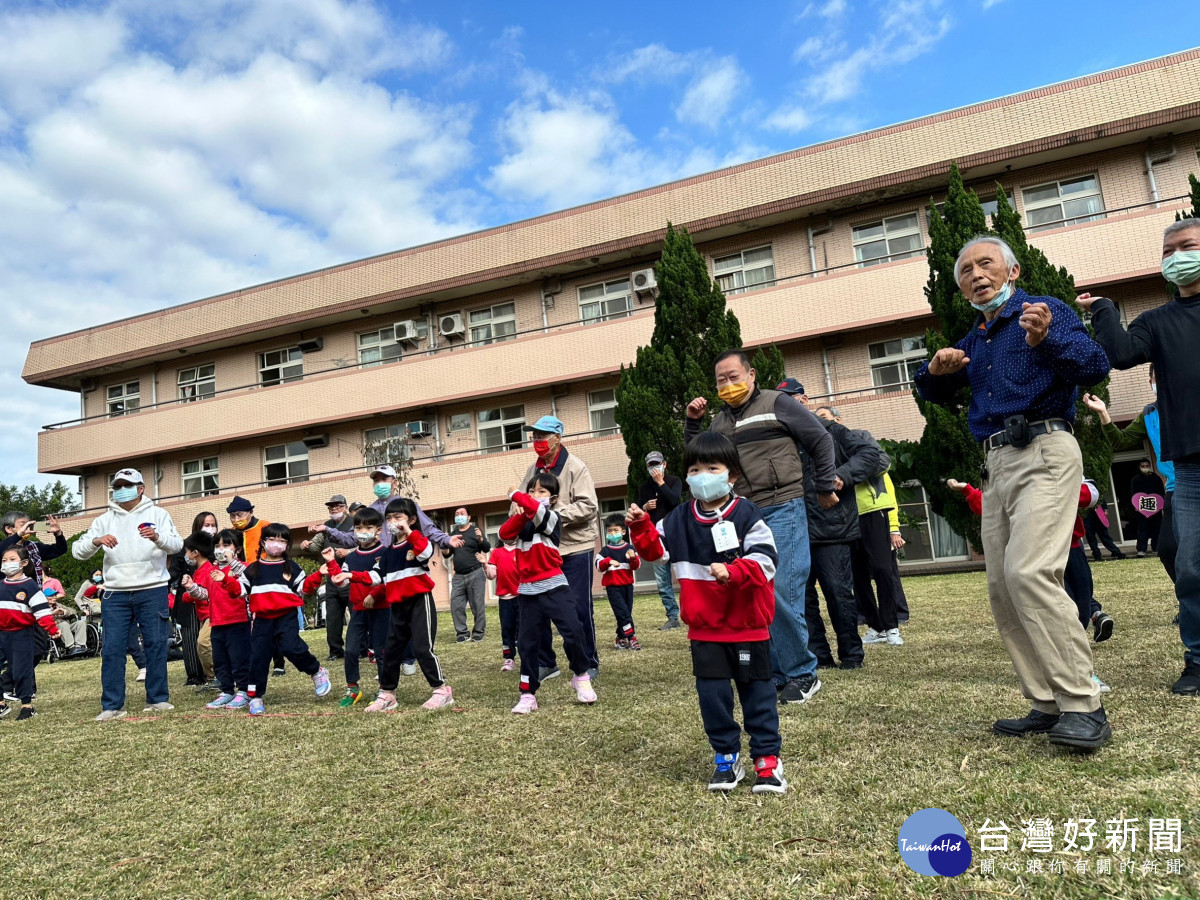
(315, 441)
(312, 345)
(406, 330)
(419, 429)
(644, 280)
(451, 325)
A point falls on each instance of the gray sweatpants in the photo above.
(469, 589)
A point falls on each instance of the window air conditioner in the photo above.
(406, 330)
(452, 325)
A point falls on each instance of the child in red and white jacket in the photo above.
(403, 570)
(216, 589)
(502, 569)
(724, 556)
(617, 560)
(23, 609)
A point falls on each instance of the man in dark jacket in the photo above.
(831, 532)
(337, 596)
(658, 495)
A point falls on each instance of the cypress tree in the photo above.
(768, 365)
(1194, 212)
(691, 328)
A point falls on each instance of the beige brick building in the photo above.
(275, 390)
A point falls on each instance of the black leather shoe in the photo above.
(1083, 731)
(851, 664)
(1188, 684)
(826, 663)
(1036, 722)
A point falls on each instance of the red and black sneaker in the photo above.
(634, 643)
(770, 780)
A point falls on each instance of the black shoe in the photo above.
(279, 672)
(78, 651)
(1037, 722)
(1083, 731)
(800, 690)
(851, 664)
(461, 639)
(5, 709)
(1119, 556)
(728, 774)
(335, 655)
(1188, 684)
(1102, 627)
(769, 780)
(545, 673)
(826, 663)
(27, 712)
(669, 624)
(476, 638)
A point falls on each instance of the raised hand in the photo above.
(1035, 319)
(697, 408)
(328, 554)
(720, 572)
(635, 514)
(947, 361)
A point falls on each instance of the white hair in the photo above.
(1181, 225)
(1010, 258)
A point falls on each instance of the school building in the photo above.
(281, 391)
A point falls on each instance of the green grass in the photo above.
(598, 802)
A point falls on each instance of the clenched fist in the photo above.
(947, 361)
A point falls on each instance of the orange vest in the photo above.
(251, 538)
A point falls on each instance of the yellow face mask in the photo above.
(734, 393)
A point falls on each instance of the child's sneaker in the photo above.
(728, 774)
(27, 712)
(508, 666)
(1100, 685)
(141, 675)
(385, 702)
(257, 707)
(526, 705)
(239, 701)
(893, 637)
(770, 778)
(5, 709)
(321, 682)
(222, 700)
(635, 644)
(874, 637)
(620, 644)
(352, 696)
(278, 673)
(442, 696)
(583, 689)
(408, 668)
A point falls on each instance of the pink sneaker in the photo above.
(508, 666)
(442, 696)
(583, 689)
(526, 705)
(385, 702)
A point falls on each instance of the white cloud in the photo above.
(711, 93)
(654, 61)
(714, 85)
(789, 118)
(988, 4)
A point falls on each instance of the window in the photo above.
(601, 302)
(896, 238)
(1063, 203)
(378, 347)
(200, 477)
(286, 463)
(277, 366)
(927, 535)
(491, 527)
(123, 398)
(602, 408)
(895, 363)
(989, 205)
(382, 446)
(744, 270)
(496, 323)
(460, 422)
(197, 383)
(502, 429)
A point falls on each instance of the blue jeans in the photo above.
(790, 656)
(666, 593)
(1185, 519)
(120, 611)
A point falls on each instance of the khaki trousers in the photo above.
(1030, 502)
(204, 648)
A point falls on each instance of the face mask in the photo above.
(544, 502)
(541, 448)
(709, 486)
(275, 548)
(209, 529)
(734, 393)
(654, 470)
(382, 490)
(10, 568)
(615, 538)
(996, 302)
(364, 537)
(460, 521)
(124, 495)
(1182, 267)
(223, 556)
(97, 579)
(242, 526)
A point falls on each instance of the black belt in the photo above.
(1036, 429)
(467, 571)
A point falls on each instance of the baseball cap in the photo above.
(547, 424)
(790, 386)
(133, 476)
(336, 500)
(383, 470)
(653, 458)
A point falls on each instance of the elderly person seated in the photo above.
(72, 626)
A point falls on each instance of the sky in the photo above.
(154, 152)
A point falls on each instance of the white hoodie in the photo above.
(135, 563)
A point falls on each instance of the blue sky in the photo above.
(158, 151)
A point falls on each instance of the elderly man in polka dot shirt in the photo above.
(1024, 361)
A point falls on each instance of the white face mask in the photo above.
(223, 555)
(209, 529)
(10, 568)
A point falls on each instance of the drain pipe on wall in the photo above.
(812, 245)
(1151, 162)
(828, 376)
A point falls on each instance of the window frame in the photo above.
(197, 383)
(905, 358)
(500, 424)
(286, 461)
(263, 367)
(492, 321)
(887, 238)
(606, 315)
(742, 269)
(202, 474)
(1063, 221)
(379, 347)
(594, 407)
(123, 399)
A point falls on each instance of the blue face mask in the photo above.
(460, 521)
(709, 486)
(615, 538)
(124, 495)
(996, 302)
(383, 490)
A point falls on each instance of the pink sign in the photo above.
(1147, 504)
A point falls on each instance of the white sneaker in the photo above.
(141, 675)
(893, 637)
(874, 637)
(442, 697)
(1100, 685)
(109, 714)
(158, 707)
(408, 668)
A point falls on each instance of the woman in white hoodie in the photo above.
(137, 536)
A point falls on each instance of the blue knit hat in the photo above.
(239, 504)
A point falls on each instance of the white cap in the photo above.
(384, 470)
(133, 476)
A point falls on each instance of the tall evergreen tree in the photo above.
(691, 328)
(769, 367)
(1194, 192)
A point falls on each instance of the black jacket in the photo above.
(858, 458)
(669, 495)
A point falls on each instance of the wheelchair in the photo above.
(58, 649)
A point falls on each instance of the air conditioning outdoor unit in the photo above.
(644, 280)
(315, 441)
(311, 346)
(419, 429)
(452, 325)
(406, 330)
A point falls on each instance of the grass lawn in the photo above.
(607, 801)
